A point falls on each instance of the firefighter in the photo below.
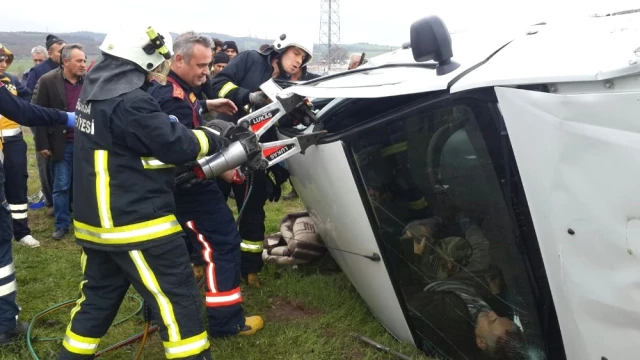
(201, 208)
(15, 162)
(240, 82)
(124, 148)
(26, 114)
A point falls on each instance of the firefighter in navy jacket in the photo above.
(124, 150)
(22, 113)
(240, 82)
(15, 152)
(201, 208)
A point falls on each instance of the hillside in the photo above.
(22, 42)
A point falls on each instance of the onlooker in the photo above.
(53, 46)
(354, 61)
(38, 55)
(217, 46)
(60, 89)
(230, 48)
(219, 62)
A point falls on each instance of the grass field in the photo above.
(309, 311)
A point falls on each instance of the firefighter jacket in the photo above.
(7, 125)
(123, 174)
(177, 98)
(241, 77)
(26, 114)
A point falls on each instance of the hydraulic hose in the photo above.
(247, 193)
(63, 305)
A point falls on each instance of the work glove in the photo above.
(303, 114)
(71, 119)
(258, 99)
(216, 142)
(276, 176)
(221, 126)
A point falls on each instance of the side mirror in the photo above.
(430, 40)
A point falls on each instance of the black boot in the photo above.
(10, 336)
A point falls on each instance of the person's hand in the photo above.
(227, 176)
(45, 153)
(223, 106)
(258, 98)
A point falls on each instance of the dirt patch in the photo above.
(285, 309)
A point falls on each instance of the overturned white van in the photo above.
(482, 192)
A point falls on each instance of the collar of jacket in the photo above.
(179, 80)
(52, 64)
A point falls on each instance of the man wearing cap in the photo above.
(230, 48)
(219, 62)
(53, 44)
(15, 162)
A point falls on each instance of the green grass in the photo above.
(309, 311)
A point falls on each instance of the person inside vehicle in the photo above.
(452, 256)
(463, 326)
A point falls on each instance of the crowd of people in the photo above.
(113, 134)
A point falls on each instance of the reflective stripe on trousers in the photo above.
(214, 297)
(252, 246)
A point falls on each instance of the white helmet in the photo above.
(285, 41)
(146, 47)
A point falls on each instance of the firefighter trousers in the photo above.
(212, 233)
(162, 275)
(252, 221)
(16, 175)
(8, 307)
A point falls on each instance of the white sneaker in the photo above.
(29, 241)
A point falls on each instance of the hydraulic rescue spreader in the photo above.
(246, 153)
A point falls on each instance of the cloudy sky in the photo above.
(361, 21)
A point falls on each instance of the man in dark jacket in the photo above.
(53, 46)
(240, 82)
(60, 89)
(38, 55)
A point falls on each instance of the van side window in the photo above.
(441, 216)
